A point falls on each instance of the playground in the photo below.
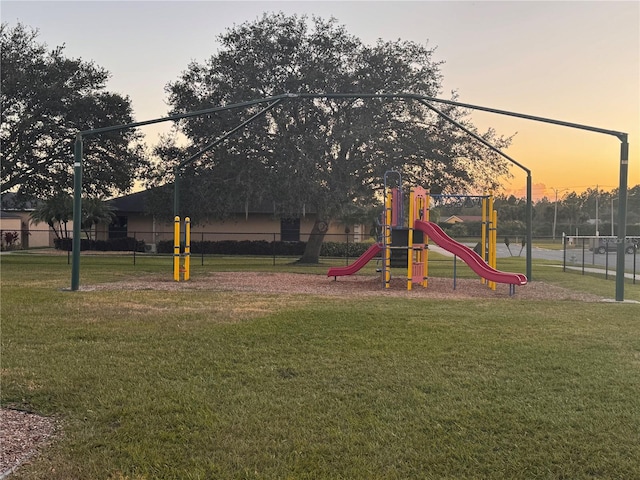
(402, 242)
(408, 239)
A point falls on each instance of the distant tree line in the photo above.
(572, 211)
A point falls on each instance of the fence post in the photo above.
(455, 263)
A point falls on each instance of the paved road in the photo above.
(578, 257)
(574, 256)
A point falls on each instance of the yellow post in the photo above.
(494, 241)
(410, 241)
(425, 210)
(490, 232)
(387, 241)
(176, 249)
(187, 248)
(483, 232)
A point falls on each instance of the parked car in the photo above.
(610, 244)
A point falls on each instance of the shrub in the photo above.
(123, 244)
(264, 248)
(10, 240)
(342, 249)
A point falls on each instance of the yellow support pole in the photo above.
(187, 249)
(425, 210)
(410, 241)
(483, 233)
(489, 251)
(176, 249)
(387, 241)
(492, 232)
(494, 241)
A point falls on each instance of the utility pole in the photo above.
(555, 211)
(612, 233)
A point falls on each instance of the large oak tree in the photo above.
(46, 99)
(324, 155)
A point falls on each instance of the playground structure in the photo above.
(181, 271)
(426, 101)
(404, 244)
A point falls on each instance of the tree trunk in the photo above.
(316, 237)
(55, 232)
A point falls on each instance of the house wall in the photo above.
(31, 234)
(255, 227)
(41, 234)
(10, 224)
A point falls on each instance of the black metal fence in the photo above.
(591, 254)
(587, 254)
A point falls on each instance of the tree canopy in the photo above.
(325, 155)
(46, 99)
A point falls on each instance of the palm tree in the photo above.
(56, 212)
(95, 211)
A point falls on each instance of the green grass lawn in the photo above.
(202, 384)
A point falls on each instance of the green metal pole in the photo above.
(77, 213)
(622, 218)
(529, 228)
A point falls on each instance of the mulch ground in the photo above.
(349, 286)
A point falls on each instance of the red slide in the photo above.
(372, 252)
(470, 257)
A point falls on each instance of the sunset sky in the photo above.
(573, 61)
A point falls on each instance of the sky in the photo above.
(572, 61)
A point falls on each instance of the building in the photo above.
(15, 217)
(255, 222)
(133, 220)
(453, 219)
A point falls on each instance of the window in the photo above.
(118, 227)
(290, 229)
